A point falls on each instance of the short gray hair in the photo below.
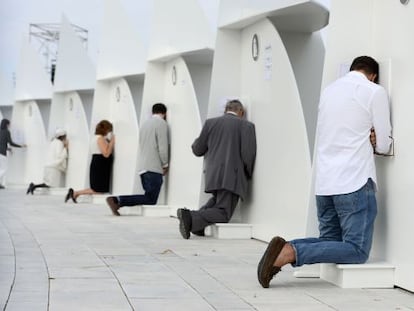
(234, 105)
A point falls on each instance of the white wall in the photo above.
(184, 178)
(178, 28)
(32, 81)
(75, 122)
(122, 51)
(17, 160)
(74, 69)
(30, 123)
(281, 93)
(124, 118)
(201, 77)
(281, 179)
(374, 24)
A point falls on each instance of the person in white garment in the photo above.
(56, 162)
(353, 125)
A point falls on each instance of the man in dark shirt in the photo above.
(5, 141)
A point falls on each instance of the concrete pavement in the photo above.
(57, 256)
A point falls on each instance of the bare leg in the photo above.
(287, 255)
(83, 192)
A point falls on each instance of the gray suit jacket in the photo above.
(153, 145)
(228, 144)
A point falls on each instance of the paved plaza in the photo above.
(57, 256)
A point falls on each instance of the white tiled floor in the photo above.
(57, 256)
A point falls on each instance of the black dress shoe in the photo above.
(184, 215)
(30, 189)
(69, 195)
(72, 195)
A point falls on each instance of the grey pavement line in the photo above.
(322, 302)
(115, 276)
(189, 284)
(41, 252)
(200, 294)
(14, 274)
(229, 288)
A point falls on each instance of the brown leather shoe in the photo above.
(113, 205)
(265, 269)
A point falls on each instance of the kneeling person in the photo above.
(228, 144)
(152, 163)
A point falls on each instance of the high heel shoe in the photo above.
(69, 195)
(72, 196)
(30, 189)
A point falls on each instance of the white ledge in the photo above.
(368, 275)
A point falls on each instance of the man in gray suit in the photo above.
(152, 163)
(228, 144)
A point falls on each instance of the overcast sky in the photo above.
(16, 15)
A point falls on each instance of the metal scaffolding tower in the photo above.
(45, 37)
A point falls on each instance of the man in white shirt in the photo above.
(353, 124)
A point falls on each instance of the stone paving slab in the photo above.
(57, 256)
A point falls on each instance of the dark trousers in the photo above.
(151, 182)
(218, 209)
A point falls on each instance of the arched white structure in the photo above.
(72, 102)
(370, 30)
(118, 97)
(6, 97)
(178, 75)
(30, 118)
(274, 66)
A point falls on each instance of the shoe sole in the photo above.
(184, 233)
(266, 262)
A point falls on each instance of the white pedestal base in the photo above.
(231, 231)
(308, 271)
(147, 210)
(368, 275)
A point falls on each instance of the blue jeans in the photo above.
(346, 225)
(151, 182)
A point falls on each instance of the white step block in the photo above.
(93, 199)
(131, 210)
(53, 191)
(308, 271)
(368, 275)
(146, 210)
(231, 231)
(156, 211)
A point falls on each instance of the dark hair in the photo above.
(4, 124)
(159, 108)
(234, 105)
(366, 64)
(103, 127)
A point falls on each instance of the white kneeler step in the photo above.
(367, 275)
(231, 231)
(147, 210)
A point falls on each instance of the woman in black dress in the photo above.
(102, 146)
